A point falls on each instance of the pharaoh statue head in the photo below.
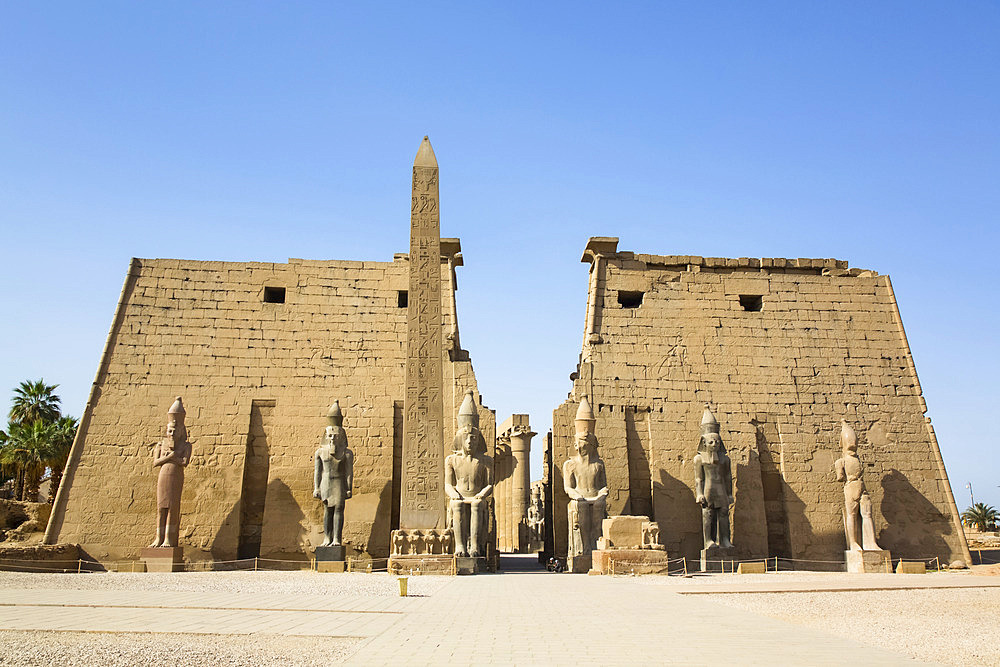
(335, 436)
(175, 421)
(469, 439)
(710, 446)
(848, 439)
(586, 441)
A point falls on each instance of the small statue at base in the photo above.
(536, 516)
(858, 525)
(468, 483)
(171, 455)
(333, 476)
(586, 484)
(713, 483)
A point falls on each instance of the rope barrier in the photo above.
(617, 565)
(21, 568)
(22, 560)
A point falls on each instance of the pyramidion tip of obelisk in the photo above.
(425, 155)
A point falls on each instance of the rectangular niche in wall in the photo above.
(274, 295)
(255, 472)
(752, 302)
(629, 299)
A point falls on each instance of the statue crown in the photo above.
(334, 416)
(585, 420)
(848, 438)
(468, 414)
(709, 424)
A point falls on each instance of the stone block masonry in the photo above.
(782, 349)
(259, 351)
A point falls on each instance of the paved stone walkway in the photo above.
(501, 619)
(520, 618)
(803, 582)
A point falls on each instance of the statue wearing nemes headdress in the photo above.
(468, 483)
(586, 484)
(713, 483)
(333, 476)
(858, 524)
(171, 455)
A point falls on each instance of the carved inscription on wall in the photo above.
(422, 497)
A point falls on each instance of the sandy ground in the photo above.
(120, 649)
(286, 583)
(953, 626)
(98, 648)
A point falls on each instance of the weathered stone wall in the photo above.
(21, 521)
(667, 334)
(257, 378)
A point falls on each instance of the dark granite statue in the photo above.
(713, 483)
(333, 476)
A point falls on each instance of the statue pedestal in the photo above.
(631, 561)
(163, 559)
(711, 556)
(330, 559)
(580, 564)
(412, 565)
(870, 561)
(469, 565)
(335, 552)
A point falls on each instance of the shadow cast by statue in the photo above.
(914, 527)
(674, 505)
(640, 501)
(378, 536)
(285, 530)
(225, 543)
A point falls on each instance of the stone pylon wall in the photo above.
(667, 334)
(256, 377)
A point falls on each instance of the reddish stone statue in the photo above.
(171, 455)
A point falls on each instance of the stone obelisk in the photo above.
(422, 492)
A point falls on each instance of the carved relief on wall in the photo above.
(429, 542)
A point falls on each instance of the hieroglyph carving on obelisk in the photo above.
(422, 493)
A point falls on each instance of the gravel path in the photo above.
(101, 648)
(290, 583)
(149, 650)
(949, 626)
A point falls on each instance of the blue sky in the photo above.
(262, 131)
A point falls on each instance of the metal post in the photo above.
(255, 563)
(79, 564)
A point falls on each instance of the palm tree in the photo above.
(33, 401)
(25, 452)
(62, 440)
(5, 474)
(984, 517)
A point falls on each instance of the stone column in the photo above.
(520, 489)
(422, 501)
(597, 248)
(501, 494)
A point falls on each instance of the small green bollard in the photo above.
(402, 587)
